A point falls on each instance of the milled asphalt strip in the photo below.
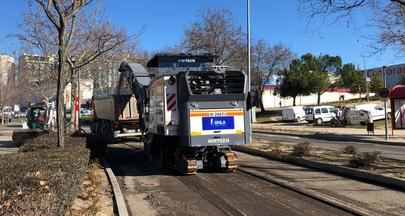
(309, 192)
(119, 199)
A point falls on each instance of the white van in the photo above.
(355, 117)
(320, 114)
(376, 111)
(296, 113)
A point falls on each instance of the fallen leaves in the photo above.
(42, 183)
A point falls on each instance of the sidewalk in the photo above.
(335, 134)
(6, 142)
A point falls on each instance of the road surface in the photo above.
(148, 191)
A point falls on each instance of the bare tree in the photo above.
(387, 15)
(267, 61)
(79, 36)
(217, 34)
(62, 14)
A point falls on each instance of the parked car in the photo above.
(22, 114)
(86, 112)
(320, 114)
(296, 113)
(6, 113)
(376, 111)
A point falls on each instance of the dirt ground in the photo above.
(95, 194)
(384, 166)
(304, 128)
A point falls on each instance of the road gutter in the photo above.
(119, 199)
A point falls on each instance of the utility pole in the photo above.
(248, 43)
(385, 103)
(251, 113)
(78, 96)
(367, 78)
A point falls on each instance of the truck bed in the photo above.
(116, 108)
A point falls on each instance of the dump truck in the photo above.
(115, 116)
(192, 111)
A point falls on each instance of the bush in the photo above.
(302, 149)
(276, 148)
(43, 181)
(350, 149)
(365, 160)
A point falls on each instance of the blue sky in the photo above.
(276, 21)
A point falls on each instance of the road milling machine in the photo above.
(192, 111)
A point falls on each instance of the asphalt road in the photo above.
(149, 191)
(389, 151)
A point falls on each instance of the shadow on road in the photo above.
(130, 161)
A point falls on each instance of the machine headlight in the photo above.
(194, 104)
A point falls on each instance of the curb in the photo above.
(334, 136)
(119, 199)
(311, 193)
(330, 168)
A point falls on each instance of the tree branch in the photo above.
(48, 11)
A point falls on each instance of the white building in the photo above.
(271, 101)
(86, 92)
(7, 68)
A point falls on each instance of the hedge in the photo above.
(20, 136)
(44, 180)
(45, 141)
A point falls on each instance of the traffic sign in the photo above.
(384, 93)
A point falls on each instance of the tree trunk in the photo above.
(262, 109)
(60, 87)
(319, 98)
(294, 100)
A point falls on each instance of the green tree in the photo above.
(320, 69)
(351, 78)
(401, 80)
(376, 84)
(294, 81)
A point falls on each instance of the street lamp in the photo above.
(385, 103)
(251, 113)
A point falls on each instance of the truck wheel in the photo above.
(298, 119)
(147, 144)
(163, 155)
(319, 121)
(110, 134)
